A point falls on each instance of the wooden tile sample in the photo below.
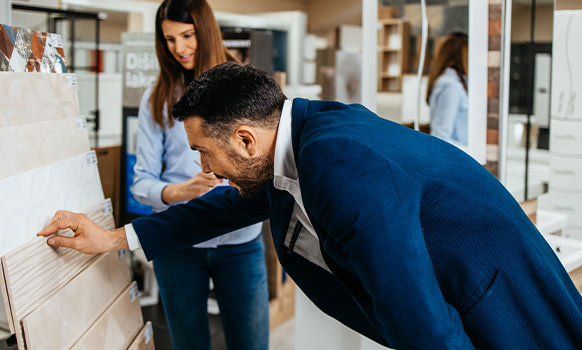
(28, 146)
(6, 317)
(62, 319)
(34, 97)
(30, 199)
(117, 327)
(35, 271)
(145, 339)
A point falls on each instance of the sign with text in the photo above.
(140, 66)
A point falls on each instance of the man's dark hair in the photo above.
(231, 94)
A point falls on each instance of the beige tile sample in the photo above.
(145, 339)
(35, 271)
(30, 199)
(28, 146)
(34, 97)
(117, 327)
(62, 319)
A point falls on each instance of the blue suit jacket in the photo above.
(427, 249)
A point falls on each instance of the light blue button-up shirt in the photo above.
(164, 157)
(449, 115)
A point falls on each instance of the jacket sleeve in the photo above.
(369, 208)
(220, 211)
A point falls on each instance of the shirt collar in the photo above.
(284, 161)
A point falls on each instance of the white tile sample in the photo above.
(30, 199)
(28, 146)
(34, 97)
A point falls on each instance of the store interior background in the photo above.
(327, 51)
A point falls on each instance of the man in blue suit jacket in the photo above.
(394, 233)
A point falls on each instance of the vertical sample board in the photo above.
(34, 97)
(35, 195)
(46, 142)
(35, 271)
(118, 325)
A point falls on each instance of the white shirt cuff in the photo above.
(131, 236)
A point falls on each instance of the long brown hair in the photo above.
(450, 55)
(210, 51)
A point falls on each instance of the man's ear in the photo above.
(246, 140)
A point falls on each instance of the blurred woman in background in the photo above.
(447, 91)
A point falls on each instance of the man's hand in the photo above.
(89, 238)
(194, 187)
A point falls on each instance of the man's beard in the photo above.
(252, 175)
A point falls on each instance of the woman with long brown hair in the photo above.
(447, 91)
(167, 172)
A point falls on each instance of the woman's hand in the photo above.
(196, 186)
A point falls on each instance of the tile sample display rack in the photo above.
(54, 298)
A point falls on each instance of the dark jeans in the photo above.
(240, 283)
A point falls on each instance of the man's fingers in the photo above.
(61, 221)
(61, 241)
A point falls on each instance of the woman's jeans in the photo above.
(240, 284)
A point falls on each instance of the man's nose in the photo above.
(204, 163)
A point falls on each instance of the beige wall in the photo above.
(326, 15)
(520, 23)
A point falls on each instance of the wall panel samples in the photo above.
(26, 50)
(59, 322)
(35, 271)
(47, 142)
(34, 97)
(31, 198)
(54, 298)
(117, 327)
(143, 341)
